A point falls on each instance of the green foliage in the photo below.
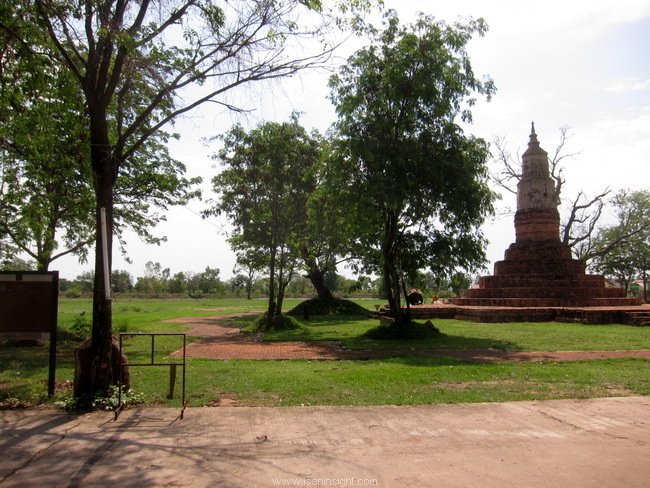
(414, 186)
(128, 81)
(81, 326)
(45, 193)
(121, 326)
(623, 248)
(264, 190)
(121, 281)
(48, 202)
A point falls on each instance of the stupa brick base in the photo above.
(538, 269)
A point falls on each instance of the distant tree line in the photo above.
(159, 282)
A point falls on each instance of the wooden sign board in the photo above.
(28, 309)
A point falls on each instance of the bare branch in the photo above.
(579, 215)
(510, 169)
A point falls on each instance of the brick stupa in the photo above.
(538, 269)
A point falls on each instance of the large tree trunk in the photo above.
(284, 277)
(271, 308)
(249, 289)
(105, 168)
(391, 278)
(316, 275)
(317, 278)
(280, 299)
(102, 374)
(391, 274)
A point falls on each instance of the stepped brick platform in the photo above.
(637, 315)
(538, 272)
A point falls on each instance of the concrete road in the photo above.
(568, 443)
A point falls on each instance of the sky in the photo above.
(581, 64)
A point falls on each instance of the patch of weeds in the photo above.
(103, 401)
(121, 326)
(66, 338)
(81, 326)
(15, 365)
(23, 395)
(12, 403)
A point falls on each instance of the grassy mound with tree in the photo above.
(277, 322)
(327, 306)
(403, 330)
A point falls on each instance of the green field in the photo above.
(396, 380)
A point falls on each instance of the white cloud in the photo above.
(629, 84)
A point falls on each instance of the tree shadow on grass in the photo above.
(352, 333)
(440, 341)
(429, 361)
(429, 357)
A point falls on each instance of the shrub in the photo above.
(73, 293)
(81, 326)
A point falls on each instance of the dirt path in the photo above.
(219, 341)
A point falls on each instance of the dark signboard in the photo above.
(28, 308)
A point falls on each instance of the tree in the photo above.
(138, 67)
(264, 190)
(622, 249)
(323, 242)
(155, 279)
(121, 281)
(459, 282)
(84, 282)
(47, 193)
(250, 262)
(209, 282)
(238, 283)
(12, 263)
(317, 237)
(178, 283)
(414, 185)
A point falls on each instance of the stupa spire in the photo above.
(536, 188)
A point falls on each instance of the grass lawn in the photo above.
(398, 380)
(410, 380)
(145, 315)
(458, 334)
